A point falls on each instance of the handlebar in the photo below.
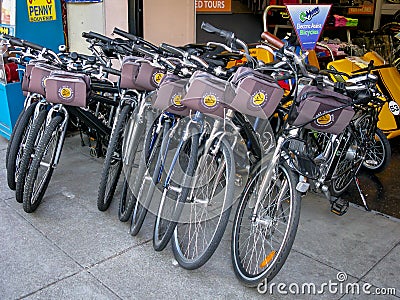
(222, 33)
(185, 54)
(97, 36)
(32, 45)
(90, 59)
(16, 42)
(110, 70)
(135, 38)
(272, 39)
(173, 50)
(125, 34)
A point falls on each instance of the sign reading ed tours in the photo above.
(213, 6)
(308, 21)
(41, 10)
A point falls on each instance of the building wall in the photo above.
(98, 17)
(116, 15)
(171, 21)
(83, 17)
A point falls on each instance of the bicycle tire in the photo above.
(33, 196)
(379, 155)
(128, 197)
(12, 135)
(112, 165)
(185, 242)
(126, 203)
(253, 231)
(149, 159)
(16, 144)
(166, 220)
(35, 133)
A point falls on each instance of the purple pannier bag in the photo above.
(208, 94)
(316, 109)
(170, 94)
(149, 77)
(39, 74)
(129, 72)
(137, 73)
(257, 94)
(27, 76)
(68, 88)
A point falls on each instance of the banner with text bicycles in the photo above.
(308, 21)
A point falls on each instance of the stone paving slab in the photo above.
(29, 260)
(352, 243)
(387, 272)
(68, 249)
(79, 286)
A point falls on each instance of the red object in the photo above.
(11, 72)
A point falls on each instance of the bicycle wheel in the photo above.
(174, 192)
(112, 166)
(206, 211)
(16, 145)
(12, 135)
(41, 168)
(135, 167)
(127, 199)
(263, 234)
(35, 133)
(378, 154)
(148, 176)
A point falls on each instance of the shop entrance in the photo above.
(244, 19)
(135, 17)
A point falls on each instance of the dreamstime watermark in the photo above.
(333, 287)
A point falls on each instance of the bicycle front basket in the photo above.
(39, 74)
(68, 88)
(170, 94)
(208, 94)
(257, 94)
(323, 110)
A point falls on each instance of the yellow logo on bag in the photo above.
(157, 77)
(259, 98)
(177, 100)
(65, 92)
(210, 100)
(324, 120)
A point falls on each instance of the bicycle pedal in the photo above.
(93, 151)
(339, 206)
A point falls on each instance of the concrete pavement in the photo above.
(68, 249)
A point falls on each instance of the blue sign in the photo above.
(308, 21)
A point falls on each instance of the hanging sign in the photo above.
(41, 10)
(213, 6)
(308, 21)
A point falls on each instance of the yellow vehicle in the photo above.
(388, 83)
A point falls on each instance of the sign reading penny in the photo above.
(213, 6)
(41, 10)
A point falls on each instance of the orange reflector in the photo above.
(268, 259)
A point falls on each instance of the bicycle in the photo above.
(76, 94)
(308, 154)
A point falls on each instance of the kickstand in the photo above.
(81, 135)
(357, 182)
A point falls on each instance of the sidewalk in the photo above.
(68, 249)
